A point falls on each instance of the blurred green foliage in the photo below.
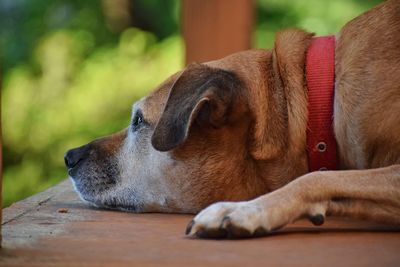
(321, 17)
(72, 80)
(73, 68)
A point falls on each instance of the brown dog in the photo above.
(235, 129)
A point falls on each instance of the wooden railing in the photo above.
(216, 28)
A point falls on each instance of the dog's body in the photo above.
(235, 129)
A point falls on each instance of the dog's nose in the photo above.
(75, 155)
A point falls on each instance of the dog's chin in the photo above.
(98, 205)
(94, 202)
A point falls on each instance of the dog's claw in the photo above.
(202, 232)
(213, 233)
(260, 231)
(317, 219)
(226, 221)
(232, 230)
(189, 227)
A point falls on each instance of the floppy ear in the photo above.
(281, 114)
(200, 93)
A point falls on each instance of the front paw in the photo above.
(232, 220)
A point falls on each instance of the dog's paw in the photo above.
(253, 218)
(258, 216)
(231, 220)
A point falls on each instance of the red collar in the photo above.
(320, 73)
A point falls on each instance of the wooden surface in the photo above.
(216, 28)
(55, 228)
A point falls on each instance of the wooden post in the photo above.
(216, 28)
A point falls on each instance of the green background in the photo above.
(71, 70)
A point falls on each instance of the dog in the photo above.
(231, 134)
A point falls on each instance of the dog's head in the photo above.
(215, 131)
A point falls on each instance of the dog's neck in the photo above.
(320, 77)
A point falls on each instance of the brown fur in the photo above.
(252, 140)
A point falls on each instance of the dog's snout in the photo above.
(74, 156)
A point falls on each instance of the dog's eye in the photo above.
(137, 121)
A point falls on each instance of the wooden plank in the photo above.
(216, 28)
(36, 233)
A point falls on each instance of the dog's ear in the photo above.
(202, 94)
(281, 114)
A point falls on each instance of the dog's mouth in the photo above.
(106, 200)
(111, 206)
(73, 170)
(127, 208)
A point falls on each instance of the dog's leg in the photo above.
(367, 194)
